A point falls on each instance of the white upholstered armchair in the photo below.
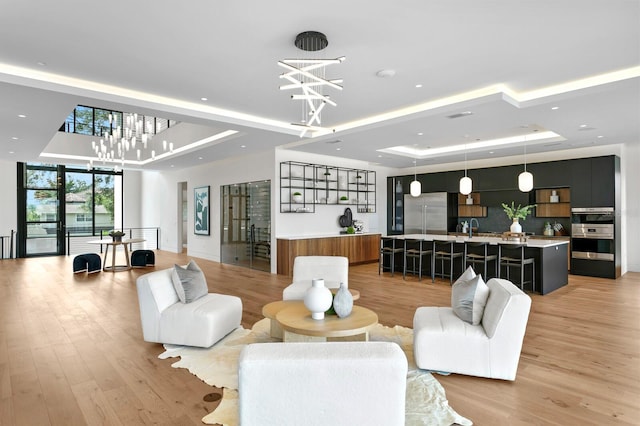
(333, 269)
(444, 342)
(165, 319)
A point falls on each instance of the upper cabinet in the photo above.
(595, 182)
(554, 202)
(304, 185)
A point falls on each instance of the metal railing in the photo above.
(7, 245)
(77, 244)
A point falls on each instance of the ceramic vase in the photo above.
(343, 302)
(318, 299)
(515, 226)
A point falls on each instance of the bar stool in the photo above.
(389, 246)
(444, 250)
(478, 253)
(512, 255)
(417, 249)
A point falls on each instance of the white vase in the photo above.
(343, 302)
(515, 226)
(318, 299)
(297, 198)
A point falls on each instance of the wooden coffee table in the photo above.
(298, 326)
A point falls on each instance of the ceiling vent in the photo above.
(460, 114)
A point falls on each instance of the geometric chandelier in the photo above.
(308, 76)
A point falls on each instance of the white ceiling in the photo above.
(506, 62)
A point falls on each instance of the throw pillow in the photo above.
(468, 299)
(468, 274)
(189, 282)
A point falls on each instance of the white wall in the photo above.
(132, 181)
(630, 172)
(325, 219)
(160, 199)
(8, 193)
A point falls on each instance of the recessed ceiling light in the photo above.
(379, 156)
(600, 137)
(386, 73)
(490, 152)
(204, 99)
(420, 134)
(172, 165)
(15, 138)
(583, 125)
(555, 108)
(11, 152)
(22, 116)
(243, 146)
(418, 86)
(199, 158)
(42, 64)
(338, 149)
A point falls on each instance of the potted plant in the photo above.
(516, 213)
(116, 235)
(344, 199)
(297, 197)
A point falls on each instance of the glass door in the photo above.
(43, 217)
(245, 233)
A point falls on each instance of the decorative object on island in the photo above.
(416, 187)
(201, 210)
(318, 299)
(308, 75)
(343, 302)
(116, 235)
(344, 200)
(525, 179)
(297, 197)
(554, 197)
(516, 213)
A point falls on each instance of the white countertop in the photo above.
(308, 237)
(535, 243)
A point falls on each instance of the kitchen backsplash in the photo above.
(497, 221)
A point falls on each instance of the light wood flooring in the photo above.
(71, 348)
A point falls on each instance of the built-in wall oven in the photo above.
(592, 233)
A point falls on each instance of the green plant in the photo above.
(344, 198)
(351, 230)
(297, 193)
(520, 212)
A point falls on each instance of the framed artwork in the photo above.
(201, 210)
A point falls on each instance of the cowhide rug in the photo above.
(426, 403)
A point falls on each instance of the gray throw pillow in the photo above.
(189, 282)
(468, 299)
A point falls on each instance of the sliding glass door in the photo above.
(245, 233)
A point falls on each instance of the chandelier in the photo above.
(308, 76)
(128, 137)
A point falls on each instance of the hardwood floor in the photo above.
(71, 348)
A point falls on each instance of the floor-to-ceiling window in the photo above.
(56, 201)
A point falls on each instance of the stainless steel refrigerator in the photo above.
(426, 214)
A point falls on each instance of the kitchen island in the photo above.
(550, 256)
(358, 248)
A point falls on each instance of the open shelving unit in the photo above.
(471, 210)
(561, 208)
(305, 185)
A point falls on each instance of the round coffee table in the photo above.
(297, 324)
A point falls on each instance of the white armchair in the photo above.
(167, 320)
(443, 342)
(333, 269)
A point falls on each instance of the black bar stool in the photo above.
(444, 250)
(389, 246)
(417, 249)
(513, 256)
(478, 253)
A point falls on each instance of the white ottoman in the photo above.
(333, 383)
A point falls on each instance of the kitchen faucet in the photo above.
(471, 226)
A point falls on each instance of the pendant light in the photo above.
(466, 184)
(416, 186)
(525, 179)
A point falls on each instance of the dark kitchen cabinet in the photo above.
(593, 181)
